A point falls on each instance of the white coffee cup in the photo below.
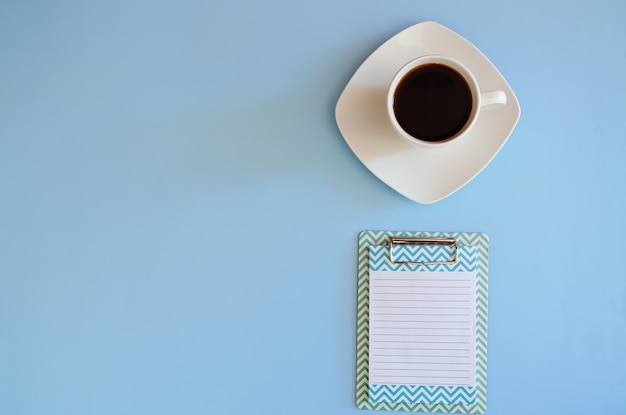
(440, 109)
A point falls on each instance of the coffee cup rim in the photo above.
(426, 60)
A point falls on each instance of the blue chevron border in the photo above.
(423, 394)
(365, 240)
(380, 258)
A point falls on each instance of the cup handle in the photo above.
(490, 100)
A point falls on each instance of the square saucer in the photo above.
(424, 175)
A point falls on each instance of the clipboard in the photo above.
(422, 321)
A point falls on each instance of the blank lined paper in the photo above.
(422, 327)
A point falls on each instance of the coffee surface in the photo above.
(432, 102)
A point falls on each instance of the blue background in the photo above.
(179, 212)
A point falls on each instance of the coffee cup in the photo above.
(434, 100)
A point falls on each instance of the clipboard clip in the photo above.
(413, 241)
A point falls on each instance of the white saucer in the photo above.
(424, 175)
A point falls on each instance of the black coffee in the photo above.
(432, 102)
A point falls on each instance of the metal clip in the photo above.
(423, 241)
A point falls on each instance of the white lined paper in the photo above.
(422, 328)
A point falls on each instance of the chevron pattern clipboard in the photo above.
(422, 328)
